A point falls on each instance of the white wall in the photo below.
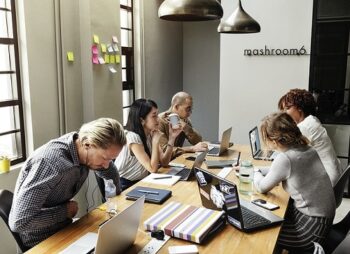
(162, 56)
(250, 86)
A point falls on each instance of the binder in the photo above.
(152, 195)
(190, 223)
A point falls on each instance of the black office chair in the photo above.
(337, 234)
(340, 186)
(5, 208)
(343, 247)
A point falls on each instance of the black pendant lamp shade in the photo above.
(239, 22)
(190, 10)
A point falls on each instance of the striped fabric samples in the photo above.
(185, 221)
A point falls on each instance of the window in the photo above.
(330, 60)
(127, 49)
(12, 142)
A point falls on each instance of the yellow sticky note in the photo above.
(96, 39)
(112, 59)
(117, 59)
(106, 58)
(103, 48)
(70, 56)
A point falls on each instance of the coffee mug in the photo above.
(174, 120)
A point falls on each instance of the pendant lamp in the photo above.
(190, 10)
(239, 22)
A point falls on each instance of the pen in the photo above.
(161, 177)
(148, 192)
(239, 155)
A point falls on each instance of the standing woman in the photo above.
(142, 153)
(311, 211)
(301, 106)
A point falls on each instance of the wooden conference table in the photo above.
(229, 240)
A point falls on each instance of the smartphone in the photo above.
(264, 204)
(191, 158)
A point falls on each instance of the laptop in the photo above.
(114, 236)
(255, 145)
(186, 173)
(220, 194)
(224, 144)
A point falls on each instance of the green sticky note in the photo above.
(103, 48)
(117, 59)
(96, 39)
(112, 59)
(106, 58)
(70, 56)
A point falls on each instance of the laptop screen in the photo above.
(254, 140)
(219, 194)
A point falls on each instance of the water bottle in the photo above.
(246, 177)
(110, 193)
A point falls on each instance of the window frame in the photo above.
(15, 102)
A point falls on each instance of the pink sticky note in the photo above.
(115, 39)
(94, 49)
(95, 59)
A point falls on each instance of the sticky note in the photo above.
(106, 58)
(115, 39)
(117, 59)
(101, 60)
(110, 48)
(103, 48)
(94, 59)
(112, 59)
(70, 56)
(112, 69)
(96, 39)
(94, 50)
(115, 48)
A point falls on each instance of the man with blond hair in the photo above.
(55, 172)
(181, 104)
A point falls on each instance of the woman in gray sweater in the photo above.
(311, 210)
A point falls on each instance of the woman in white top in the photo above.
(301, 106)
(142, 153)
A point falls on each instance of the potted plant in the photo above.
(4, 164)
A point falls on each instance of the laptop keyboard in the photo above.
(252, 219)
(214, 150)
(184, 173)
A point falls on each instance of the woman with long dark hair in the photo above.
(143, 154)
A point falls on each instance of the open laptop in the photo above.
(224, 144)
(114, 236)
(255, 146)
(220, 194)
(186, 173)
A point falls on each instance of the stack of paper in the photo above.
(162, 179)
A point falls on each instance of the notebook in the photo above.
(114, 236)
(187, 222)
(152, 195)
(255, 146)
(186, 173)
(224, 144)
(220, 163)
(220, 194)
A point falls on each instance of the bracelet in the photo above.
(169, 145)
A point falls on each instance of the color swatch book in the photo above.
(186, 221)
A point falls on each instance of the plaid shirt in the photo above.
(48, 180)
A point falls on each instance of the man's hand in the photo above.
(200, 147)
(72, 209)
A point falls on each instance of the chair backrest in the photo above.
(5, 208)
(340, 186)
